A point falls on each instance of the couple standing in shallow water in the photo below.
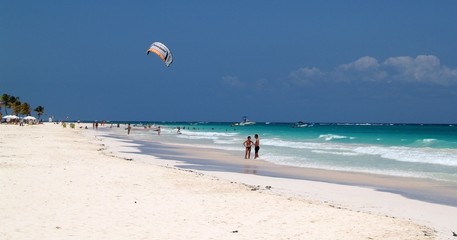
(248, 145)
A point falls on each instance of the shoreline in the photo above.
(434, 204)
(428, 190)
(65, 183)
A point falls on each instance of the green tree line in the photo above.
(17, 107)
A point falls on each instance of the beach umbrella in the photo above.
(30, 118)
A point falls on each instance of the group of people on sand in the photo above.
(248, 145)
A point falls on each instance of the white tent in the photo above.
(10, 117)
(30, 120)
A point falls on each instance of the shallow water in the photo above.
(422, 151)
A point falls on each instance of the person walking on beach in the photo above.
(256, 146)
(247, 144)
(128, 129)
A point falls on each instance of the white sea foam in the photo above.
(336, 149)
(286, 160)
(330, 137)
(209, 134)
(205, 135)
(415, 155)
(304, 162)
(276, 142)
(426, 142)
(340, 153)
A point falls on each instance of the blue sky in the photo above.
(317, 61)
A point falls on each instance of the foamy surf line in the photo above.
(378, 151)
(214, 161)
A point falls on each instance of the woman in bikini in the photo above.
(248, 143)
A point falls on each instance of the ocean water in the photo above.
(410, 150)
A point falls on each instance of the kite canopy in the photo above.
(162, 51)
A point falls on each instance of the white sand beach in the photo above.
(62, 183)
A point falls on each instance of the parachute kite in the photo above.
(162, 51)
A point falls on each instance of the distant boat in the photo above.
(244, 122)
(301, 125)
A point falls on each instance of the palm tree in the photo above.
(39, 110)
(25, 109)
(5, 102)
(12, 102)
(16, 106)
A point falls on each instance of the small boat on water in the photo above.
(301, 125)
(244, 122)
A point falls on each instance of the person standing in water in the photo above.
(248, 144)
(256, 146)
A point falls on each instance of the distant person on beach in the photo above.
(248, 144)
(179, 130)
(256, 146)
(128, 129)
(158, 130)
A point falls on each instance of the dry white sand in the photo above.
(58, 183)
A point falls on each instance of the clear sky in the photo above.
(316, 61)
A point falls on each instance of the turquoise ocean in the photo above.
(427, 151)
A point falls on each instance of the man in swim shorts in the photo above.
(256, 146)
